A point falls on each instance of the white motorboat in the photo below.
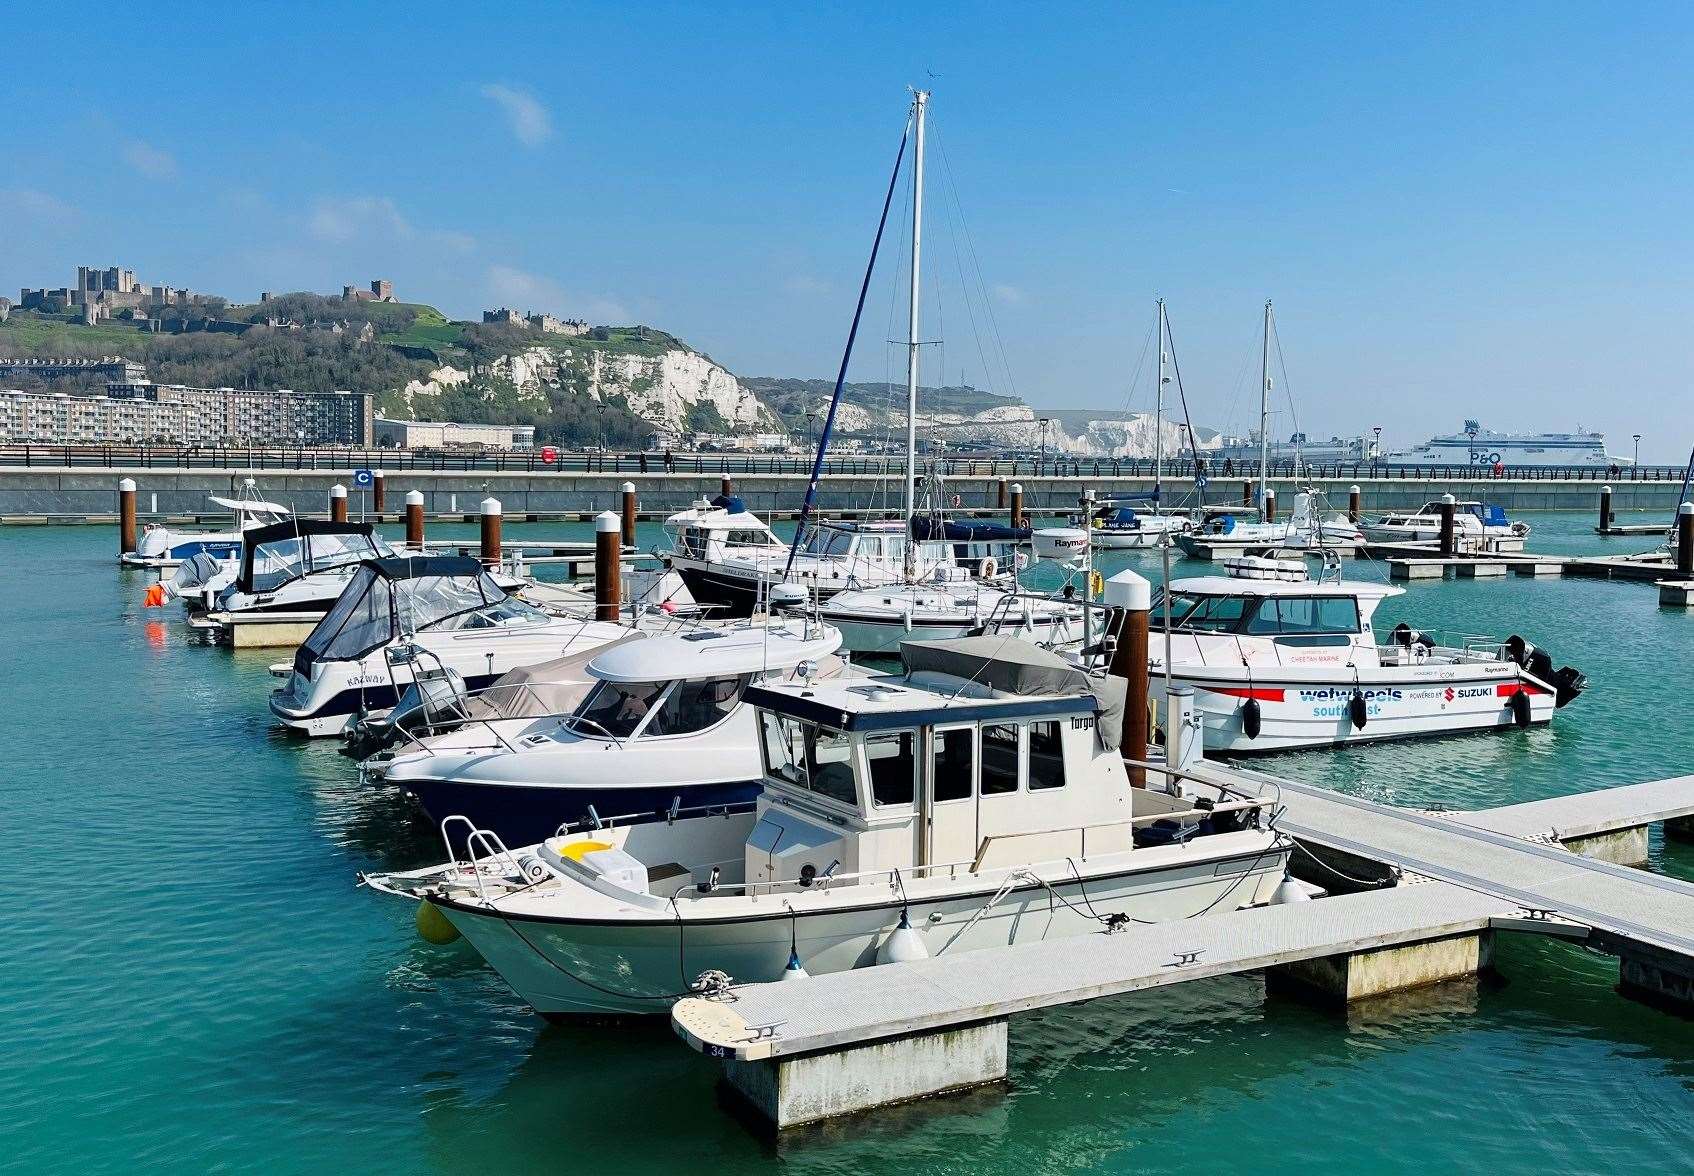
(1307, 529)
(1115, 527)
(949, 604)
(443, 619)
(296, 568)
(160, 546)
(978, 801)
(1470, 519)
(1279, 662)
(663, 727)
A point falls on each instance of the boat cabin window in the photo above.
(617, 708)
(1207, 614)
(1046, 756)
(360, 620)
(953, 769)
(893, 766)
(748, 538)
(999, 758)
(1305, 614)
(691, 541)
(828, 542)
(808, 756)
(694, 706)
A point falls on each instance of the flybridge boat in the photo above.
(1307, 529)
(949, 604)
(725, 562)
(160, 546)
(664, 727)
(442, 622)
(1469, 518)
(1278, 661)
(977, 801)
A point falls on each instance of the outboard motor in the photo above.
(1568, 683)
(1405, 636)
(1519, 650)
(434, 701)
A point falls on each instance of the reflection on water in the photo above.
(196, 981)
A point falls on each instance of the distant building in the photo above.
(553, 326)
(110, 289)
(113, 369)
(382, 290)
(143, 413)
(452, 435)
(503, 316)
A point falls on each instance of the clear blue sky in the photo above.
(1459, 213)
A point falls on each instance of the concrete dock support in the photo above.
(1130, 596)
(792, 1091)
(338, 503)
(414, 518)
(1653, 980)
(1353, 510)
(1017, 504)
(126, 516)
(1270, 504)
(1341, 979)
(1449, 536)
(1680, 829)
(1676, 593)
(491, 518)
(1480, 568)
(1606, 516)
(379, 493)
(1685, 539)
(608, 583)
(1621, 847)
(629, 514)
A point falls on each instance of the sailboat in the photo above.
(1115, 526)
(1307, 529)
(942, 600)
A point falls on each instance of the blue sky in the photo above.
(1458, 213)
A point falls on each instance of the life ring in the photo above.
(988, 568)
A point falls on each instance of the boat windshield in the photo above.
(446, 603)
(694, 706)
(360, 620)
(278, 562)
(828, 541)
(807, 756)
(1205, 614)
(617, 708)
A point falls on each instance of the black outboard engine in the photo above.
(1518, 649)
(1405, 636)
(1568, 683)
(1536, 661)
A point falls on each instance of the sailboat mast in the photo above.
(920, 103)
(1159, 416)
(1264, 413)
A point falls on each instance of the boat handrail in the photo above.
(489, 840)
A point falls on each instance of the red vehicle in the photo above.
(549, 453)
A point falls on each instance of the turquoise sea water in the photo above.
(193, 983)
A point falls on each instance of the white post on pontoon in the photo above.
(920, 103)
(1264, 411)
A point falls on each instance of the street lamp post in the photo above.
(1375, 448)
(1638, 449)
(1045, 423)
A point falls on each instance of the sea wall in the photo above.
(39, 494)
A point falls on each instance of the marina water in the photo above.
(194, 983)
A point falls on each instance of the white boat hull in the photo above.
(565, 967)
(1303, 711)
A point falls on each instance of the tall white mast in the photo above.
(1159, 413)
(1264, 412)
(920, 102)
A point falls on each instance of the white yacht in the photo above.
(979, 800)
(662, 727)
(1280, 661)
(298, 567)
(1116, 527)
(1472, 519)
(1476, 446)
(402, 618)
(160, 546)
(948, 604)
(1306, 529)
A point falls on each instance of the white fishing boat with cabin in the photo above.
(979, 800)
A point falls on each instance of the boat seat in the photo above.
(666, 871)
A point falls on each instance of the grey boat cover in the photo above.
(1012, 666)
(546, 688)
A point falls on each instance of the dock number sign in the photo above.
(363, 479)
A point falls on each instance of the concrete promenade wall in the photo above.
(36, 492)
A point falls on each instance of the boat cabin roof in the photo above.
(897, 702)
(715, 653)
(1235, 586)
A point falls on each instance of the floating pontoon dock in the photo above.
(1444, 883)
